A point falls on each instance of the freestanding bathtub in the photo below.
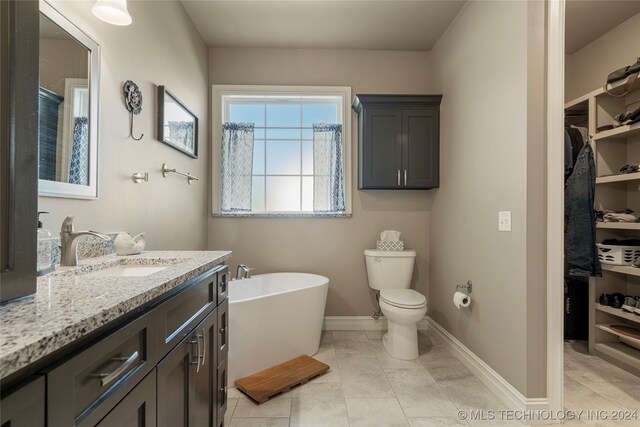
(273, 318)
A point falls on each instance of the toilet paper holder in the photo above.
(468, 286)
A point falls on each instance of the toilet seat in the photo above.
(403, 298)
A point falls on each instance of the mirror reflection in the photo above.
(64, 106)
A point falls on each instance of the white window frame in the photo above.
(217, 111)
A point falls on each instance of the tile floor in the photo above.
(366, 387)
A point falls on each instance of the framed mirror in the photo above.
(69, 63)
(177, 125)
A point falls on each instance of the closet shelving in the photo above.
(613, 149)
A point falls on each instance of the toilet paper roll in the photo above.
(461, 300)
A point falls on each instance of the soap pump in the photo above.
(44, 248)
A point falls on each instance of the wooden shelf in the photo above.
(618, 178)
(626, 131)
(621, 352)
(618, 225)
(607, 329)
(631, 271)
(618, 312)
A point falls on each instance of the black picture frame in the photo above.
(165, 96)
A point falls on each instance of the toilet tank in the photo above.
(389, 269)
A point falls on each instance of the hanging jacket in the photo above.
(580, 238)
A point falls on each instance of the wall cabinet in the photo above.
(398, 141)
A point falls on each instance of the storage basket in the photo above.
(397, 245)
(617, 255)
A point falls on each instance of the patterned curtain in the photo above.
(328, 172)
(79, 168)
(237, 167)
(182, 133)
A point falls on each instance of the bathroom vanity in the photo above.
(135, 340)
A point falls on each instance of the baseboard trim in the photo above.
(489, 377)
(359, 323)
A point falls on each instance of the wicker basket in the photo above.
(617, 255)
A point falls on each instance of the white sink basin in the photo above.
(126, 271)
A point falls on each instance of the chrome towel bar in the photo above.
(166, 170)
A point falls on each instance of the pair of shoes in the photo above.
(615, 300)
(631, 304)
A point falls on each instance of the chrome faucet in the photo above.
(69, 242)
(243, 268)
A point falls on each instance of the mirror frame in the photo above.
(63, 189)
(163, 93)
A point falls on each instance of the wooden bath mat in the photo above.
(280, 378)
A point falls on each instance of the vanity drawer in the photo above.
(177, 317)
(223, 283)
(83, 389)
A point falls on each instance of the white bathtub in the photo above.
(274, 318)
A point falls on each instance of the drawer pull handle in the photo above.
(405, 177)
(398, 177)
(106, 379)
(196, 359)
(204, 346)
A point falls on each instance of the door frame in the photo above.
(555, 203)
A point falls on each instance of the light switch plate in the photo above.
(504, 221)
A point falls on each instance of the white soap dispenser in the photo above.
(44, 248)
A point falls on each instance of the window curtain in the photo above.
(182, 133)
(328, 172)
(237, 167)
(79, 168)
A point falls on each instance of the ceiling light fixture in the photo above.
(112, 11)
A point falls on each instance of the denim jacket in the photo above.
(581, 252)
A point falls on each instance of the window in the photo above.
(282, 150)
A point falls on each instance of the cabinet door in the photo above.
(381, 148)
(25, 406)
(204, 376)
(223, 330)
(137, 409)
(175, 384)
(186, 379)
(221, 390)
(420, 148)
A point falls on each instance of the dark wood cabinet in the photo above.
(164, 366)
(398, 141)
(24, 406)
(187, 383)
(137, 409)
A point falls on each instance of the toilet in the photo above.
(390, 273)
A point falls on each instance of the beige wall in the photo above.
(161, 47)
(484, 65)
(588, 68)
(331, 247)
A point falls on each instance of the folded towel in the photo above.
(390, 236)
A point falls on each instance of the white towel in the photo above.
(390, 236)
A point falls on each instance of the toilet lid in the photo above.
(403, 298)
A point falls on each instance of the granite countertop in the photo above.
(69, 305)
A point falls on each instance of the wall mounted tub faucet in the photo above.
(243, 269)
(69, 242)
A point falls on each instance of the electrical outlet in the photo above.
(504, 221)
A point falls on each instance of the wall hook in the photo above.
(138, 177)
(133, 102)
(131, 129)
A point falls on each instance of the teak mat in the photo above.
(280, 378)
